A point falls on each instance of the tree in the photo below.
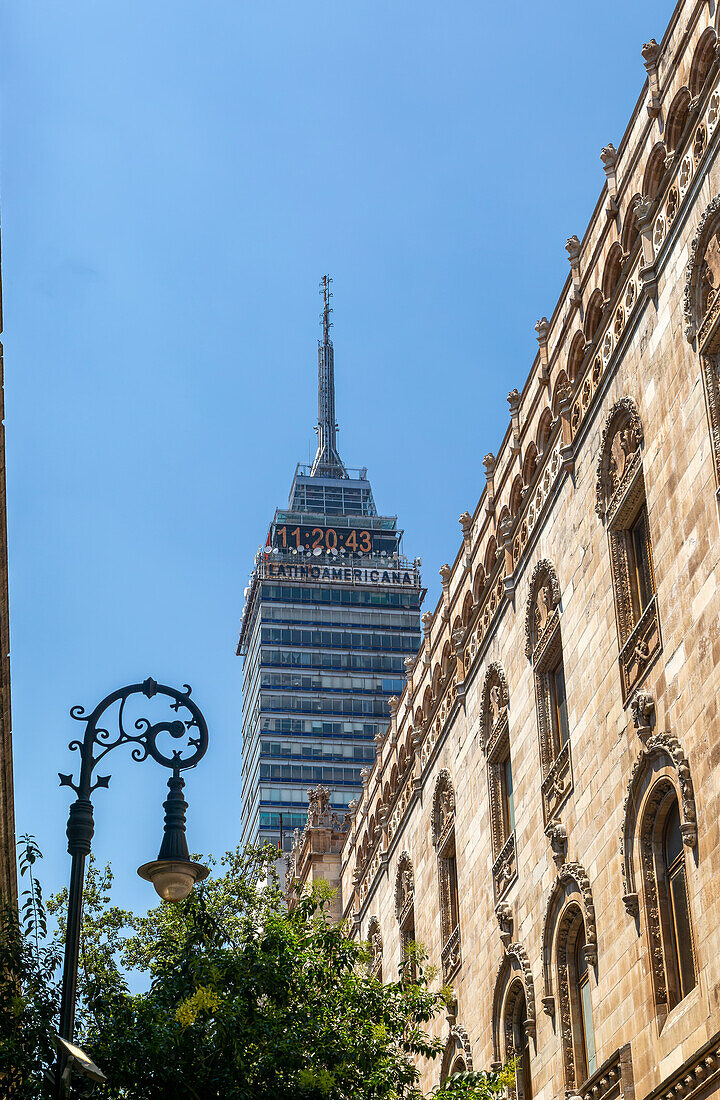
(29, 990)
(248, 999)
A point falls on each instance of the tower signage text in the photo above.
(353, 575)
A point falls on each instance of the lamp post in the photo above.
(173, 874)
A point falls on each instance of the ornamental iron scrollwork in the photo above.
(99, 740)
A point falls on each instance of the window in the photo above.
(543, 645)
(660, 824)
(508, 797)
(405, 912)
(622, 505)
(443, 833)
(561, 729)
(569, 956)
(679, 959)
(521, 1047)
(513, 1011)
(495, 740)
(586, 1032)
(643, 584)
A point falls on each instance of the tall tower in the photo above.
(331, 612)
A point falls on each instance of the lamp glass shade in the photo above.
(173, 879)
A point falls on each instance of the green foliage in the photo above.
(246, 998)
(29, 989)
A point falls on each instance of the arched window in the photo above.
(679, 940)
(521, 1047)
(569, 949)
(443, 834)
(702, 315)
(496, 743)
(544, 429)
(654, 171)
(612, 271)
(660, 824)
(405, 911)
(457, 1057)
(630, 232)
(677, 120)
(543, 646)
(593, 315)
(576, 356)
(621, 503)
(583, 1028)
(703, 61)
(514, 1018)
(376, 948)
(530, 463)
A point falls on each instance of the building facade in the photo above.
(332, 612)
(543, 812)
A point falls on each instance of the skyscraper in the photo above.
(331, 612)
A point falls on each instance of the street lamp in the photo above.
(173, 873)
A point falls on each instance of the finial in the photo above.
(325, 285)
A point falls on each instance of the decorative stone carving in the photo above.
(572, 887)
(319, 807)
(466, 524)
(505, 919)
(543, 598)
(619, 460)
(376, 947)
(443, 812)
(514, 976)
(702, 276)
(457, 1047)
(702, 310)
(556, 833)
(642, 708)
(570, 902)
(665, 750)
(404, 887)
(494, 702)
(651, 56)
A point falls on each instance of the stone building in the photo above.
(544, 810)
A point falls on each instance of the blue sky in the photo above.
(176, 177)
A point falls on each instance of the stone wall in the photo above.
(540, 571)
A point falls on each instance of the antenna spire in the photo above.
(327, 461)
(325, 284)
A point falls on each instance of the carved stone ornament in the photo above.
(665, 750)
(543, 598)
(319, 807)
(404, 887)
(571, 892)
(457, 1046)
(556, 833)
(572, 247)
(376, 946)
(620, 447)
(702, 276)
(466, 524)
(494, 702)
(505, 919)
(514, 975)
(642, 708)
(443, 811)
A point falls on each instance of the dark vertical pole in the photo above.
(80, 830)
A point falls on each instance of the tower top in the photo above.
(325, 284)
(327, 462)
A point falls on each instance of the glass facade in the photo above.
(331, 613)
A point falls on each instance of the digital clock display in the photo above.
(350, 539)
